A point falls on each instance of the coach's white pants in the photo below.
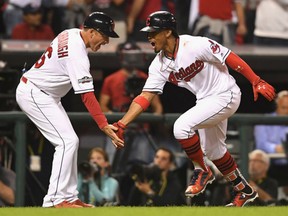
(209, 116)
(49, 116)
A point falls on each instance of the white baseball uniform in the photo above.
(64, 65)
(199, 66)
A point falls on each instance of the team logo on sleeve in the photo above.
(214, 47)
(85, 80)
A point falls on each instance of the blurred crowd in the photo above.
(235, 22)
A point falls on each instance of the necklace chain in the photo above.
(171, 59)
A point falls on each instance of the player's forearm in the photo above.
(134, 110)
(239, 65)
(156, 105)
(139, 105)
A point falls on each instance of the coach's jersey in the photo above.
(199, 66)
(63, 65)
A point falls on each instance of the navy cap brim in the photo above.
(111, 34)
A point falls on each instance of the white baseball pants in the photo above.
(209, 116)
(48, 114)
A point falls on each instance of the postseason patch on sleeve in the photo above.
(85, 79)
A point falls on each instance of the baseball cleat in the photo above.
(66, 204)
(241, 199)
(198, 182)
(84, 205)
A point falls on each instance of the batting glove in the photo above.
(263, 88)
(121, 129)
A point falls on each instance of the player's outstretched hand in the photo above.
(109, 131)
(265, 89)
(120, 129)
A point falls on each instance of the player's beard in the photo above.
(156, 51)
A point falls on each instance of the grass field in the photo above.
(148, 211)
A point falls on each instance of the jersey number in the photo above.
(47, 53)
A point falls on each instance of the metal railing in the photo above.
(244, 123)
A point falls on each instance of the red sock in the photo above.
(226, 164)
(193, 150)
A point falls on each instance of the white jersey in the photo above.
(199, 67)
(65, 64)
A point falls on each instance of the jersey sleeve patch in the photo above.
(85, 79)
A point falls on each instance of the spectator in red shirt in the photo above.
(216, 22)
(121, 87)
(139, 10)
(32, 27)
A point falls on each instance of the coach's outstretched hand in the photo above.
(120, 129)
(265, 89)
(109, 130)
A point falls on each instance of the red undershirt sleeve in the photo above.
(237, 64)
(94, 109)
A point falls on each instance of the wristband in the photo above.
(142, 101)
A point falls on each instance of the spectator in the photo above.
(218, 24)
(120, 88)
(139, 10)
(118, 91)
(13, 13)
(76, 12)
(250, 16)
(7, 181)
(182, 10)
(157, 184)
(57, 9)
(103, 189)
(7, 187)
(271, 26)
(266, 187)
(116, 9)
(32, 27)
(270, 139)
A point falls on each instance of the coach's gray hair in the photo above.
(264, 156)
(281, 94)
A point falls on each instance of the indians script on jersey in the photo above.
(186, 74)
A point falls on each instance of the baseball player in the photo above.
(198, 64)
(63, 65)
